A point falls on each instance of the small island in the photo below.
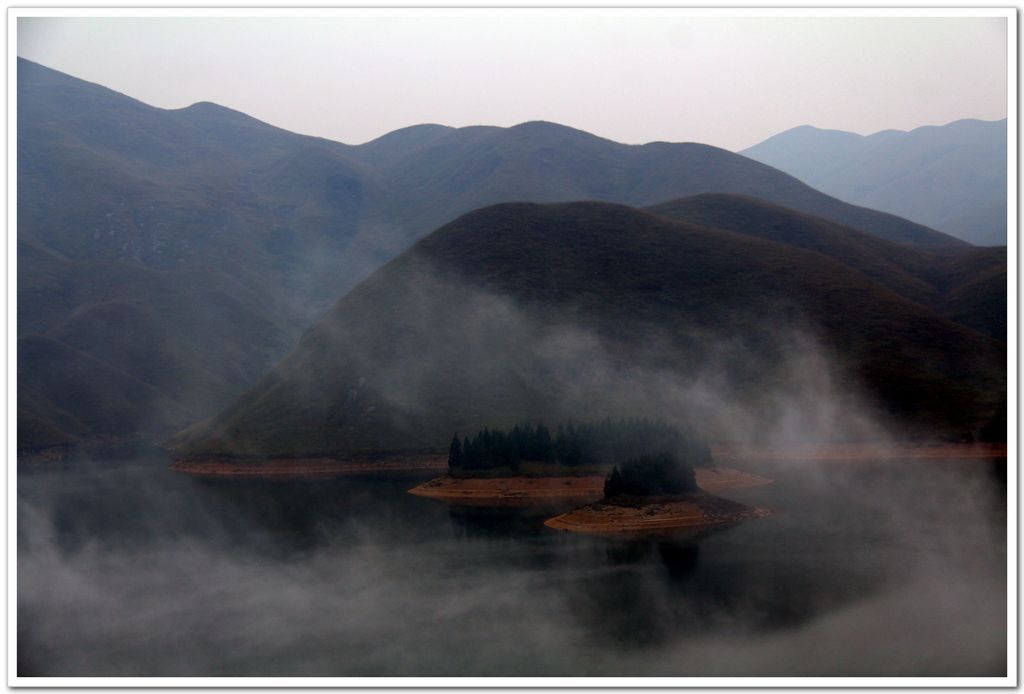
(532, 464)
(653, 493)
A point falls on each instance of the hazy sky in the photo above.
(730, 82)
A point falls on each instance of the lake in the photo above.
(128, 568)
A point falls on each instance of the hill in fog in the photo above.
(965, 285)
(185, 251)
(950, 177)
(524, 311)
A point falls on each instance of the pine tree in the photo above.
(469, 456)
(613, 483)
(455, 453)
(545, 450)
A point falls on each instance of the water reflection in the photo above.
(133, 569)
(479, 521)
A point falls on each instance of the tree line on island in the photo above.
(650, 457)
(650, 475)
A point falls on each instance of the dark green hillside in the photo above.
(965, 284)
(903, 269)
(191, 247)
(975, 283)
(521, 312)
(104, 177)
(59, 403)
(184, 248)
(193, 336)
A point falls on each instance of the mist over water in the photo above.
(865, 569)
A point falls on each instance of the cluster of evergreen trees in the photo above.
(651, 475)
(595, 443)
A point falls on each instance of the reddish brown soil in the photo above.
(721, 478)
(589, 487)
(311, 467)
(695, 512)
(859, 451)
(503, 488)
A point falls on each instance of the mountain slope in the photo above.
(975, 289)
(967, 285)
(59, 403)
(185, 249)
(522, 311)
(189, 248)
(950, 177)
(464, 169)
(903, 269)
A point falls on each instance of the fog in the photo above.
(418, 351)
(865, 569)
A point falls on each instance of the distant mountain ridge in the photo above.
(950, 177)
(466, 168)
(221, 238)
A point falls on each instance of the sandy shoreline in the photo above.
(730, 453)
(588, 487)
(695, 512)
(582, 488)
(312, 467)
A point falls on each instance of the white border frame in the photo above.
(570, 8)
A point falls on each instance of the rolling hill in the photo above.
(183, 249)
(950, 177)
(452, 171)
(965, 285)
(524, 311)
(189, 248)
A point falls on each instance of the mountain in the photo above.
(188, 249)
(458, 170)
(975, 289)
(950, 177)
(522, 311)
(965, 285)
(184, 250)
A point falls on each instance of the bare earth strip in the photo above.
(312, 467)
(858, 451)
(589, 487)
(696, 511)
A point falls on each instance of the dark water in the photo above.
(131, 569)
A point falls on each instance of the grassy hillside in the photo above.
(903, 269)
(965, 284)
(525, 311)
(189, 248)
(458, 170)
(58, 402)
(195, 336)
(975, 284)
(186, 249)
